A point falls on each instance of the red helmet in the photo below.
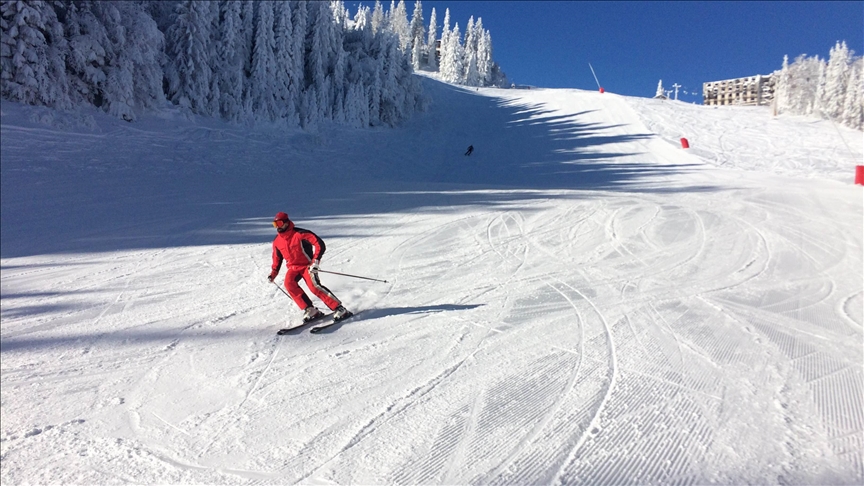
(280, 216)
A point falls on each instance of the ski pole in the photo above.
(354, 276)
(280, 288)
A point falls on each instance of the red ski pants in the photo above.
(292, 281)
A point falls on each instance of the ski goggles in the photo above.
(279, 223)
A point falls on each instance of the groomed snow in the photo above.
(580, 301)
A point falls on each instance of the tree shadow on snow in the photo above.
(142, 186)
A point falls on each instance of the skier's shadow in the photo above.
(368, 314)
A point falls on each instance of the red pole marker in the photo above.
(685, 143)
(859, 174)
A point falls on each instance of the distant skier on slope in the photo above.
(302, 250)
(470, 149)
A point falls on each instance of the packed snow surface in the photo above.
(580, 301)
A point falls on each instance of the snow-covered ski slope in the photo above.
(580, 301)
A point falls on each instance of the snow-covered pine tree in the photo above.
(458, 48)
(300, 22)
(816, 107)
(355, 42)
(470, 76)
(831, 90)
(314, 107)
(782, 87)
(853, 104)
(358, 115)
(320, 58)
(262, 81)
(362, 19)
(400, 90)
(377, 17)
(805, 75)
(431, 41)
(286, 76)
(445, 33)
(162, 12)
(357, 34)
(85, 64)
(339, 88)
(33, 53)
(447, 63)
(215, 94)
(833, 94)
(374, 94)
(114, 56)
(399, 25)
(417, 32)
(451, 69)
(341, 16)
(337, 66)
(247, 17)
(231, 53)
(356, 39)
(467, 63)
(391, 105)
(484, 54)
(417, 54)
(188, 71)
(219, 58)
(133, 75)
(369, 62)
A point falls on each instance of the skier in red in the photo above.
(302, 250)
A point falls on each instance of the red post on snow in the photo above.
(602, 90)
(685, 143)
(859, 174)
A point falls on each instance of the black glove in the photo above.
(271, 277)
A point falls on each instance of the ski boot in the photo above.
(312, 313)
(341, 313)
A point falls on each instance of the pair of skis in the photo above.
(323, 322)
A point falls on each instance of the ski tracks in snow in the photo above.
(667, 256)
(526, 337)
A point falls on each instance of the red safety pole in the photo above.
(859, 174)
(685, 143)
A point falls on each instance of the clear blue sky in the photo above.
(632, 45)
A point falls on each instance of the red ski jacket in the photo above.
(297, 246)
